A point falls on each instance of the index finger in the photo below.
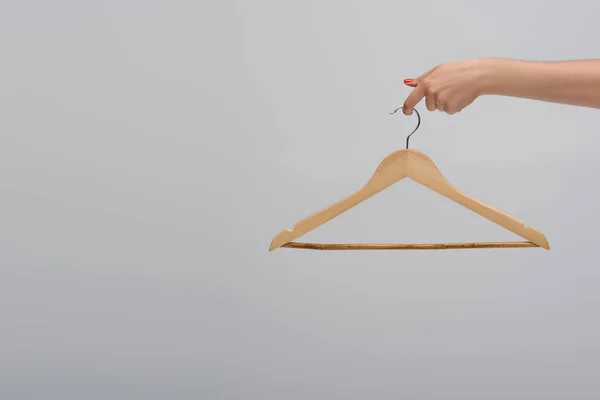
(413, 98)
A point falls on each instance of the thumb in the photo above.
(414, 82)
(411, 82)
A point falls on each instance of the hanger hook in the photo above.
(418, 122)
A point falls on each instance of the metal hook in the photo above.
(418, 122)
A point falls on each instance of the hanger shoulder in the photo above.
(422, 170)
(392, 169)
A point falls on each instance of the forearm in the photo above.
(568, 82)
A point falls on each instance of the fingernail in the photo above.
(407, 81)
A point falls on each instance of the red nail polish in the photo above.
(408, 81)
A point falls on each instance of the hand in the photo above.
(448, 87)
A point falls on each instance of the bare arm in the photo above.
(453, 86)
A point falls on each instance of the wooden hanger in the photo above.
(413, 164)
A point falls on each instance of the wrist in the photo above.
(492, 75)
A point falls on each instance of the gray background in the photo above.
(149, 152)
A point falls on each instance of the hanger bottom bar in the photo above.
(426, 246)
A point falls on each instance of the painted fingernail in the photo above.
(407, 81)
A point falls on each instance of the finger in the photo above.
(439, 105)
(418, 79)
(414, 82)
(453, 110)
(413, 98)
(430, 102)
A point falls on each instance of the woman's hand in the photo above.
(449, 87)
(453, 86)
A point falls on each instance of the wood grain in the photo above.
(413, 164)
(426, 246)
